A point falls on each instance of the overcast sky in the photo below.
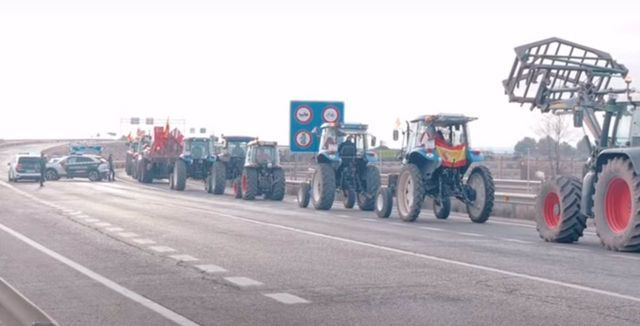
(74, 68)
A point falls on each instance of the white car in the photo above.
(24, 166)
(93, 167)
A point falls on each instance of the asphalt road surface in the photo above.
(123, 253)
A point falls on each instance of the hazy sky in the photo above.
(74, 68)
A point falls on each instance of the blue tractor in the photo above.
(228, 165)
(345, 164)
(435, 158)
(194, 162)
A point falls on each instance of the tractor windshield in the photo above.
(329, 140)
(199, 148)
(425, 134)
(237, 148)
(264, 155)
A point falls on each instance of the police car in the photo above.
(93, 167)
(24, 166)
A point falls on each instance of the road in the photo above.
(123, 253)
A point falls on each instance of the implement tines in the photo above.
(561, 75)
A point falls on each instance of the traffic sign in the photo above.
(307, 115)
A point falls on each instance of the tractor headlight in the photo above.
(269, 165)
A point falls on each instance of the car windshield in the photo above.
(29, 160)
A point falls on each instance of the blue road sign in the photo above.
(306, 115)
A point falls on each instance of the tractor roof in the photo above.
(349, 128)
(205, 139)
(239, 138)
(444, 119)
(263, 143)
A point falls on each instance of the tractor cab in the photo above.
(236, 146)
(262, 154)
(345, 141)
(197, 148)
(442, 137)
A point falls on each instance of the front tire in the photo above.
(324, 187)
(249, 183)
(51, 175)
(94, 176)
(481, 181)
(304, 195)
(179, 175)
(218, 177)
(349, 198)
(442, 208)
(367, 198)
(279, 185)
(558, 216)
(410, 192)
(617, 205)
(384, 202)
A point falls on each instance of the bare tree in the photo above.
(558, 129)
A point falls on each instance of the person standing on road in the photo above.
(43, 168)
(112, 172)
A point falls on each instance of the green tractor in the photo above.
(262, 174)
(435, 158)
(345, 164)
(228, 165)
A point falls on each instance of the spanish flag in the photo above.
(452, 156)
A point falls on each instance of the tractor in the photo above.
(157, 157)
(262, 174)
(436, 156)
(195, 162)
(561, 77)
(344, 163)
(133, 150)
(228, 165)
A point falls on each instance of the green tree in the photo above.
(525, 145)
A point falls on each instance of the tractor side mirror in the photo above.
(577, 119)
(373, 141)
(396, 135)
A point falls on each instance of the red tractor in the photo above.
(156, 159)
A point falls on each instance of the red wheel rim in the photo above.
(552, 211)
(245, 186)
(617, 205)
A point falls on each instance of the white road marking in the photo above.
(286, 298)
(573, 249)
(430, 228)
(440, 259)
(92, 220)
(73, 213)
(343, 215)
(369, 220)
(517, 241)
(162, 249)
(128, 234)
(185, 258)
(152, 305)
(115, 229)
(530, 226)
(471, 234)
(143, 241)
(242, 281)
(82, 216)
(102, 224)
(209, 268)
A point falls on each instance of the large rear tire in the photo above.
(617, 206)
(279, 185)
(323, 187)
(249, 183)
(558, 216)
(384, 202)
(442, 208)
(481, 181)
(367, 199)
(179, 175)
(218, 177)
(410, 192)
(146, 174)
(304, 195)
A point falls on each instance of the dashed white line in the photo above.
(102, 224)
(152, 305)
(92, 220)
(344, 216)
(471, 234)
(517, 241)
(286, 298)
(242, 281)
(162, 249)
(128, 234)
(370, 220)
(210, 268)
(144, 241)
(574, 249)
(115, 229)
(430, 228)
(73, 213)
(82, 216)
(184, 258)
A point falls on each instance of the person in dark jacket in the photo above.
(43, 168)
(112, 172)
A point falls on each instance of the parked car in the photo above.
(93, 167)
(24, 166)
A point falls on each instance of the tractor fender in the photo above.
(372, 158)
(428, 162)
(475, 156)
(586, 201)
(329, 158)
(631, 153)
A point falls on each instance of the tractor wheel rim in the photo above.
(617, 205)
(407, 196)
(380, 202)
(477, 184)
(552, 212)
(316, 189)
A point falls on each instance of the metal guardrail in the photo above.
(20, 310)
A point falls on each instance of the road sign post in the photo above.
(307, 115)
